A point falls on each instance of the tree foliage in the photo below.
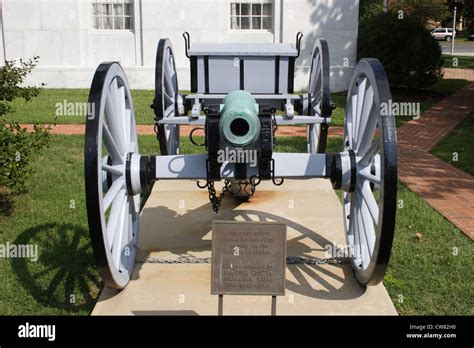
(411, 57)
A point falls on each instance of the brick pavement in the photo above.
(446, 188)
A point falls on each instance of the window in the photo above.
(113, 14)
(251, 15)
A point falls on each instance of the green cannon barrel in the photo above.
(239, 124)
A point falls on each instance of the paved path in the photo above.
(447, 189)
(466, 74)
(460, 49)
(71, 129)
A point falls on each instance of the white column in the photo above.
(2, 37)
(277, 21)
(138, 30)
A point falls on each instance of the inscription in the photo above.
(248, 258)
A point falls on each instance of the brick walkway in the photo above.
(466, 74)
(447, 189)
(285, 131)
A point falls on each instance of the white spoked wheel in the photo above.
(112, 175)
(369, 200)
(167, 103)
(318, 100)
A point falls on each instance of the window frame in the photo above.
(131, 16)
(261, 16)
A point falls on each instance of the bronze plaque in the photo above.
(248, 258)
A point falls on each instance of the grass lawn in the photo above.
(43, 109)
(460, 142)
(463, 62)
(52, 214)
(434, 274)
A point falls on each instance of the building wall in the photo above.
(61, 33)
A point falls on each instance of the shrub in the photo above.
(12, 77)
(411, 57)
(17, 147)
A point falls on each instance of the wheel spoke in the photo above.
(115, 117)
(115, 216)
(318, 71)
(368, 197)
(111, 145)
(353, 117)
(116, 170)
(312, 81)
(130, 133)
(368, 134)
(112, 192)
(360, 103)
(355, 228)
(365, 114)
(123, 114)
(169, 112)
(371, 152)
(314, 131)
(369, 229)
(119, 236)
(371, 178)
(364, 243)
(169, 75)
(168, 99)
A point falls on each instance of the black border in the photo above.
(242, 330)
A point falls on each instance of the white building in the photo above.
(73, 36)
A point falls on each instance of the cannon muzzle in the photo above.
(239, 124)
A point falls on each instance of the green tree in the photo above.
(411, 57)
(422, 10)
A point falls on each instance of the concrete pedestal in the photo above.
(176, 222)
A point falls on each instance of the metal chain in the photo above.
(180, 260)
(300, 260)
(216, 201)
(245, 184)
(290, 260)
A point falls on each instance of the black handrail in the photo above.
(187, 43)
(299, 36)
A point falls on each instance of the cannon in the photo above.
(240, 94)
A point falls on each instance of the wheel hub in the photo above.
(344, 171)
(138, 174)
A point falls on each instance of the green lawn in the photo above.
(457, 148)
(43, 109)
(424, 271)
(434, 274)
(458, 62)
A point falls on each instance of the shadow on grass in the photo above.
(64, 275)
(6, 202)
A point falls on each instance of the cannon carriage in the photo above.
(240, 94)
